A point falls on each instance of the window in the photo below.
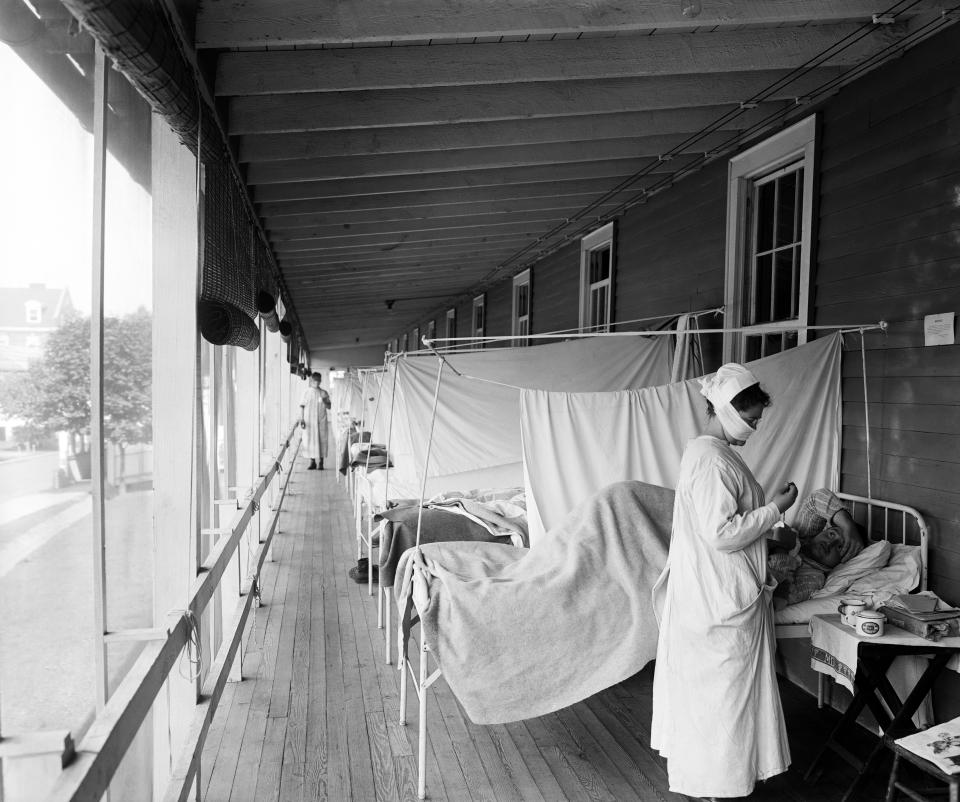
(769, 239)
(416, 338)
(596, 279)
(521, 307)
(451, 324)
(32, 343)
(34, 311)
(480, 318)
(404, 343)
(431, 329)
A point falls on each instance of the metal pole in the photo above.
(96, 376)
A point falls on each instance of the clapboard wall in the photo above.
(889, 248)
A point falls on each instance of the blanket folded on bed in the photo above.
(519, 633)
(399, 533)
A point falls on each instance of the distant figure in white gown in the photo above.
(717, 716)
(313, 420)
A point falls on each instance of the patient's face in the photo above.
(827, 547)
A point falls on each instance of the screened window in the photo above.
(596, 279)
(521, 308)
(480, 317)
(769, 241)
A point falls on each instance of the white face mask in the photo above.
(732, 423)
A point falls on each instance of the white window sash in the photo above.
(594, 241)
(794, 144)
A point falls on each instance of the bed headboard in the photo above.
(890, 521)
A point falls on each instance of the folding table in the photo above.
(861, 663)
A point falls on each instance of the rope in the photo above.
(842, 328)
(373, 423)
(866, 419)
(393, 397)
(426, 460)
(882, 326)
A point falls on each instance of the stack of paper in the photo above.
(940, 745)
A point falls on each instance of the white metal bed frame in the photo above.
(868, 511)
(912, 527)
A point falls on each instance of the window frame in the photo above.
(793, 145)
(592, 242)
(451, 323)
(479, 303)
(33, 311)
(520, 324)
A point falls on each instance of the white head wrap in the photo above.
(720, 388)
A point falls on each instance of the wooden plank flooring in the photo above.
(316, 715)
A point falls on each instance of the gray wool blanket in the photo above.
(520, 633)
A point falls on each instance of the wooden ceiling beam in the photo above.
(468, 180)
(272, 72)
(332, 241)
(303, 266)
(443, 105)
(423, 239)
(410, 139)
(456, 201)
(552, 207)
(499, 158)
(257, 23)
(488, 222)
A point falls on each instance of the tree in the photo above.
(54, 394)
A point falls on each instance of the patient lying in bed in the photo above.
(801, 559)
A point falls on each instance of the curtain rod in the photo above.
(843, 329)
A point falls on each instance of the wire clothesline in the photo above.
(842, 328)
(568, 333)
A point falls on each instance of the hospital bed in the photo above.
(900, 525)
(895, 523)
(391, 524)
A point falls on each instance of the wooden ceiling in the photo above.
(421, 149)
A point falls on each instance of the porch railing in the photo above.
(90, 767)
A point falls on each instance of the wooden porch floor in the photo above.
(315, 717)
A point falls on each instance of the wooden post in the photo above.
(177, 444)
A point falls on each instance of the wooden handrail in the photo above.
(181, 781)
(100, 753)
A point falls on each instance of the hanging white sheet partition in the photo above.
(576, 443)
(476, 442)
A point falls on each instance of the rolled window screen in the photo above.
(228, 287)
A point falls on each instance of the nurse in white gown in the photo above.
(717, 716)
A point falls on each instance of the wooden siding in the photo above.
(889, 227)
(556, 291)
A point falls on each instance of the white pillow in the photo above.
(901, 574)
(844, 575)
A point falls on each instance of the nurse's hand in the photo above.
(785, 498)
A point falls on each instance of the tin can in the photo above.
(870, 623)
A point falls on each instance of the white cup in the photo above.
(870, 623)
(848, 610)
